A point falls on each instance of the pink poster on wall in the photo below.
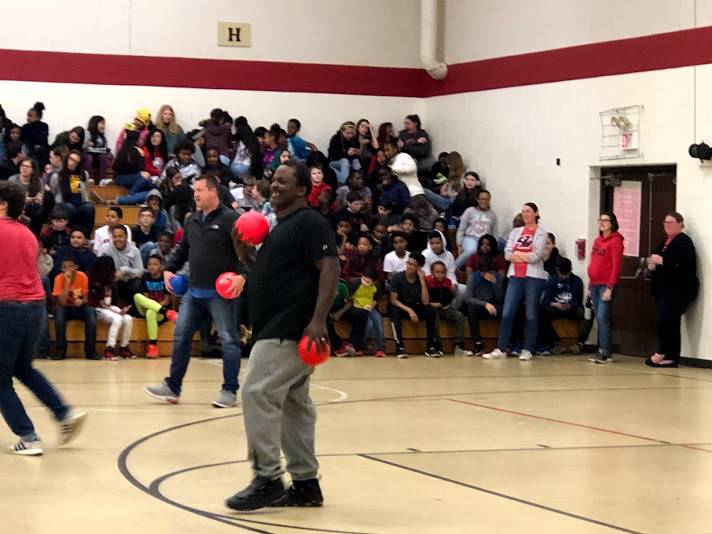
(626, 206)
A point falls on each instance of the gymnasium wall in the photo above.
(324, 47)
(513, 135)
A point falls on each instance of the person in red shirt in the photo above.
(603, 272)
(21, 313)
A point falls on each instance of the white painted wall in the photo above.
(481, 29)
(368, 32)
(513, 137)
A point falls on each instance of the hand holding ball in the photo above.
(310, 353)
(252, 227)
(229, 285)
(179, 285)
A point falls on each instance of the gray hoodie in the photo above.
(476, 223)
(127, 261)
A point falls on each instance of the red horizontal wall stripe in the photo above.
(637, 54)
(105, 69)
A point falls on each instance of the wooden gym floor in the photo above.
(409, 446)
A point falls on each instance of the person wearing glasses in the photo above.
(603, 272)
(673, 267)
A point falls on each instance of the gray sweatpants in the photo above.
(278, 412)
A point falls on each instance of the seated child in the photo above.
(102, 296)
(153, 302)
(442, 295)
(484, 297)
(562, 299)
(71, 298)
(365, 297)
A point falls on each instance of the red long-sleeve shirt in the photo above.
(19, 275)
(606, 257)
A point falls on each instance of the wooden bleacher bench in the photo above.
(130, 215)
(102, 194)
(75, 338)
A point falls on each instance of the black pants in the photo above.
(424, 313)
(126, 290)
(547, 335)
(358, 317)
(670, 311)
(475, 314)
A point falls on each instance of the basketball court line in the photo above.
(503, 495)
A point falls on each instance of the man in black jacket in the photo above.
(207, 244)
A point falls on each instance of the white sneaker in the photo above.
(71, 426)
(26, 448)
(462, 352)
(496, 354)
(525, 355)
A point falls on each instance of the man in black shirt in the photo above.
(291, 287)
(207, 244)
(410, 300)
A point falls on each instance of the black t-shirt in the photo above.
(409, 293)
(140, 238)
(284, 282)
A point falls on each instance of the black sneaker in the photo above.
(601, 358)
(401, 353)
(94, 356)
(303, 493)
(260, 493)
(59, 355)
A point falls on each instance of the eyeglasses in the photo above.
(604, 220)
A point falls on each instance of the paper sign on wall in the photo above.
(234, 34)
(626, 205)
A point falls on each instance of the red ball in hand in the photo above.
(311, 355)
(224, 284)
(253, 227)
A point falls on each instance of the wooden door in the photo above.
(649, 193)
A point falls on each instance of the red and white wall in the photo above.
(527, 81)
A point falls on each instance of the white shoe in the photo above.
(525, 355)
(26, 448)
(462, 352)
(71, 426)
(496, 354)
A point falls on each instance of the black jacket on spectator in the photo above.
(418, 151)
(207, 244)
(677, 276)
(569, 291)
(129, 161)
(338, 147)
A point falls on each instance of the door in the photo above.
(640, 197)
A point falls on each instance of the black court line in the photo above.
(155, 489)
(503, 495)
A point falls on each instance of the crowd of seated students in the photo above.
(438, 257)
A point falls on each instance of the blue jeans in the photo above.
(469, 247)
(145, 250)
(518, 289)
(85, 313)
(137, 185)
(439, 202)
(374, 329)
(193, 312)
(602, 312)
(343, 168)
(18, 337)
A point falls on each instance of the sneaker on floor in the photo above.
(93, 356)
(401, 353)
(227, 399)
(110, 354)
(260, 493)
(601, 358)
(162, 392)
(557, 349)
(479, 348)
(496, 354)
(303, 493)
(459, 351)
(543, 351)
(71, 426)
(432, 352)
(126, 353)
(172, 316)
(380, 354)
(26, 448)
(59, 355)
(525, 355)
(152, 350)
(347, 349)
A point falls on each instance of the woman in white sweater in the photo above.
(527, 279)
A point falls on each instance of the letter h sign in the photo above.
(234, 34)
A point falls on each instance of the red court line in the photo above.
(560, 421)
